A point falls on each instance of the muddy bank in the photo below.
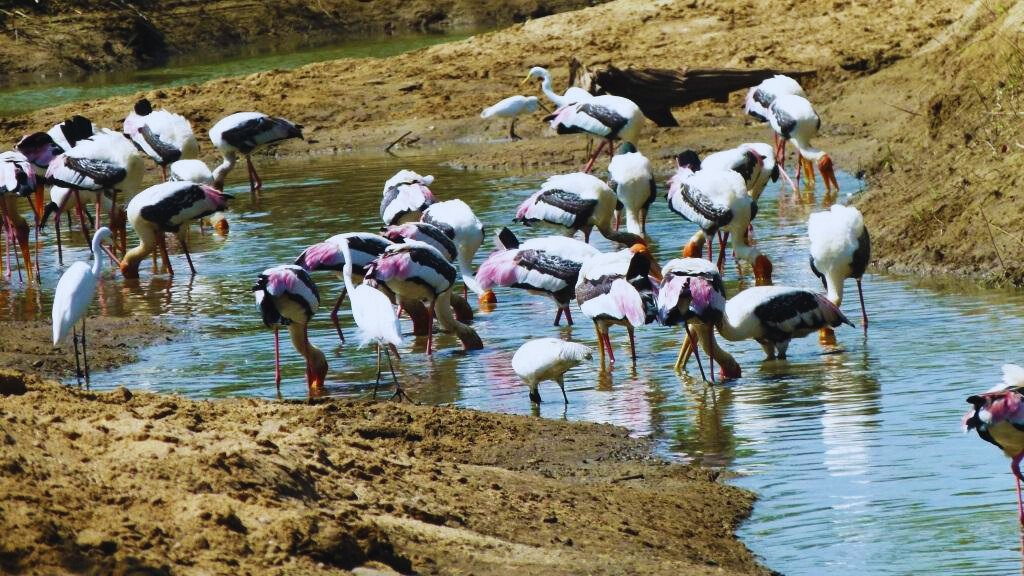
(67, 36)
(120, 482)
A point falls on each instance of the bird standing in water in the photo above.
(244, 133)
(543, 359)
(840, 249)
(287, 296)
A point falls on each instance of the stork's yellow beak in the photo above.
(525, 80)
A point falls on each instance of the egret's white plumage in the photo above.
(543, 359)
(511, 107)
(74, 293)
(572, 94)
(456, 219)
(632, 180)
(371, 309)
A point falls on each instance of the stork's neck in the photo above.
(131, 260)
(443, 311)
(221, 172)
(346, 270)
(834, 288)
(297, 333)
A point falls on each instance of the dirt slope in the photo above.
(146, 484)
(61, 36)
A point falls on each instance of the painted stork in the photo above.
(406, 195)
(456, 219)
(244, 133)
(607, 117)
(998, 417)
(192, 170)
(60, 197)
(543, 359)
(168, 208)
(374, 316)
(544, 266)
(840, 249)
(774, 315)
(692, 293)
(572, 94)
(755, 161)
(163, 136)
(618, 288)
(423, 232)
(75, 291)
(571, 202)
(17, 178)
(760, 97)
(512, 107)
(363, 248)
(287, 296)
(106, 163)
(42, 147)
(416, 271)
(632, 180)
(716, 201)
(794, 119)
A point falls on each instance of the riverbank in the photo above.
(64, 37)
(125, 481)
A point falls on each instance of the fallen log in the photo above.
(657, 90)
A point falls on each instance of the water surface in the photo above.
(855, 451)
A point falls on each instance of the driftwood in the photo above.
(658, 90)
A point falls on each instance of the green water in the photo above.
(47, 92)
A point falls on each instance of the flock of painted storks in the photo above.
(428, 245)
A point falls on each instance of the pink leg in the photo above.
(163, 170)
(81, 219)
(277, 357)
(863, 311)
(430, 329)
(558, 315)
(696, 351)
(590, 163)
(722, 239)
(568, 315)
(611, 353)
(334, 315)
(254, 177)
(1015, 467)
(711, 252)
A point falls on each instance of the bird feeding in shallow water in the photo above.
(17, 178)
(608, 117)
(168, 208)
(692, 293)
(363, 248)
(754, 161)
(545, 266)
(192, 170)
(287, 296)
(998, 417)
(571, 202)
(456, 219)
(60, 197)
(618, 288)
(163, 136)
(840, 249)
(716, 201)
(406, 196)
(416, 272)
(794, 119)
(244, 133)
(631, 178)
(376, 318)
(543, 359)
(71, 299)
(760, 97)
(512, 107)
(572, 95)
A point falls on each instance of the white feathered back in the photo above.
(835, 232)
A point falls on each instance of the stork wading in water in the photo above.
(75, 291)
(168, 208)
(286, 296)
(376, 318)
(571, 202)
(416, 272)
(60, 196)
(759, 98)
(543, 359)
(406, 196)
(163, 136)
(512, 107)
(362, 248)
(692, 294)
(840, 249)
(619, 288)
(607, 117)
(106, 163)
(547, 266)
(998, 418)
(794, 119)
(192, 170)
(458, 222)
(244, 133)
(716, 201)
(631, 178)
(754, 161)
(17, 179)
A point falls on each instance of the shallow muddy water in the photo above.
(855, 451)
(35, 92)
